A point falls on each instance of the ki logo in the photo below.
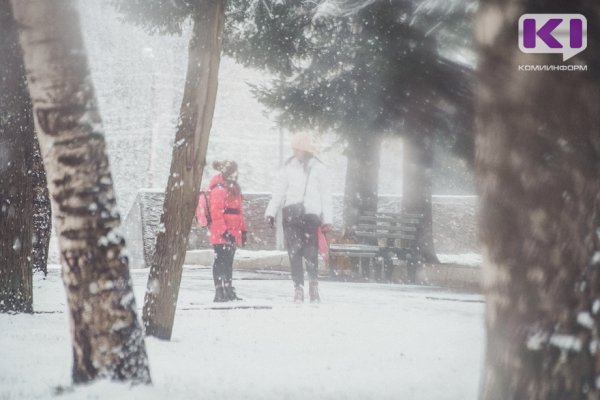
(553, 33)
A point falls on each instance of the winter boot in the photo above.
(299, 294)
(313, 292)
(230, 293)
(220, 296)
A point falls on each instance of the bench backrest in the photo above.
(398, 229)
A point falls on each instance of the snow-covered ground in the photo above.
(365, 341)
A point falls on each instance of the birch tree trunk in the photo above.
(187, 166)
(16, 195)
(538, 165)
(417, 169)
(107, 337)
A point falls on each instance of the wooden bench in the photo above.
(381, 236)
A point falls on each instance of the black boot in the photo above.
(313, 292)
(230, 293)
(299, 294)
(220, 295)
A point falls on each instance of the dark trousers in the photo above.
(302, 243)
(223, 265)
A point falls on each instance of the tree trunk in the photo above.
(42, 212)
(107, 337)
(16, 196)
(362, 178)
(538, 165)
(416, 189)
(187, 166)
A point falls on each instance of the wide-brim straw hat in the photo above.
(304, 141)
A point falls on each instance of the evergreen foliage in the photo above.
(353, 67)
(158, 16)
(379, 67)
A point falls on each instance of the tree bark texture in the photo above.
(187, 166)
(108, 340)
(362, 178)
(16, 195)
(417, 168)
(538, 166)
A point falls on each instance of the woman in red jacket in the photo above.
(227, 227)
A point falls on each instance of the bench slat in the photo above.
(387, 228)
(354, 250)
(385, 235)
(353, 247)
(402, 220)
(393, 214)
(353, 254)
(361, 253)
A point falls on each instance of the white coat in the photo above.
(290, 184)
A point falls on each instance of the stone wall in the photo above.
(454, 224)
(260, 235)
(142, 224)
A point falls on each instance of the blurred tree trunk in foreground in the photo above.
(417, 170)
(108, 340)
(538, 164)
(16, 194)
(187, 166)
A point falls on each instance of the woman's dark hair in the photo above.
(227, 168)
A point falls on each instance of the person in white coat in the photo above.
(303, 192)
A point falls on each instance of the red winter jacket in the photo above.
(225, 212)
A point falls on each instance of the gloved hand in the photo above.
(228, 238)
(271, 221)
(244, 238)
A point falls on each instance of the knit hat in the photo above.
(226, 167)
(305, 142)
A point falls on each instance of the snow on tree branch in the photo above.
(340, 8)
(346, 8)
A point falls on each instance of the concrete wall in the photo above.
(454, 224)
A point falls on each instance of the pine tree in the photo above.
(107, 337)
(42, 211)
(538, 165)
(370, 70)
(191, 142)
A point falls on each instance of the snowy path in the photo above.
(365, 341)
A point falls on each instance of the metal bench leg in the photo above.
(388, 268)
(377, 268)
(355, 266)
(413, 261)
(366, 267)
(412, 271)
